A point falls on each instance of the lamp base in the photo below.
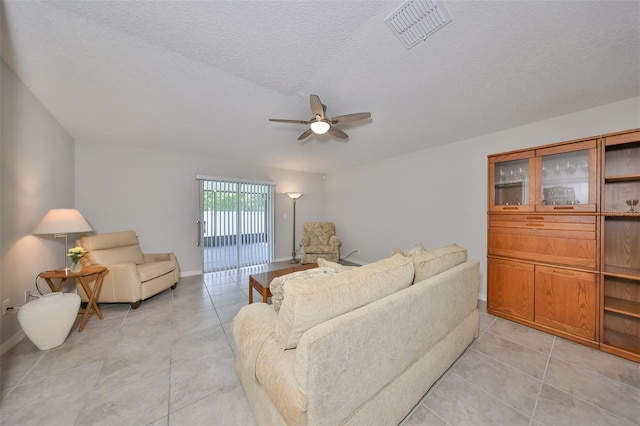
(292, 261)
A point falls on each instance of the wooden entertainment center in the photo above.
(564, 240)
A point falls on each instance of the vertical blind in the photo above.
(237, 222)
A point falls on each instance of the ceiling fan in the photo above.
(320, 125)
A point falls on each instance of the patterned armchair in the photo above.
(319, 241)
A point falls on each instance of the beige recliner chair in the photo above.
(132, 276)
(319, 241)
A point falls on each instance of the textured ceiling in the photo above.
(203, 77)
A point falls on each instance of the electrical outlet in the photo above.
(27, 293)
(5, 306)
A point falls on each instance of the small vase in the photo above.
(76, 267)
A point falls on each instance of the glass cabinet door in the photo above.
(567, 178)
(510, 177)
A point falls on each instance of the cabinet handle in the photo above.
(510, 208)
(563, 208)
(540, 225)
(535, 218)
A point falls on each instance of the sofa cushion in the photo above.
(309, 303)
(413, 251)
(277, 284)
(112, 248)
(108, 240)
(128, 254)
(337, 267)
(151, 270)
(318, 233)
(433, 262)
(320, 248)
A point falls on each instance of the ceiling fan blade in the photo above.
(305, 134)
(338, 133)
(350, 117)
(316, 106)
(280, 120)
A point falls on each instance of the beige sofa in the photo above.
(132, 276)
(360, 347)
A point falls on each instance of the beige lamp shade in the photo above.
(294, 195)
(62, 221)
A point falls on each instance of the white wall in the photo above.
(156, 194)
(439, 195)
(36, 168)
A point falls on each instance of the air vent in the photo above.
(416, 20)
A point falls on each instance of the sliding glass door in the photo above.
(236, 226)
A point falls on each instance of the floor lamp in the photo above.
(60, 223)
(294, 196)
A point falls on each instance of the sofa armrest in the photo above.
(252, 326)
(116, 284)
(334, 241)
(305, 241)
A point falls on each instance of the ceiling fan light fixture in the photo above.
(320, 127)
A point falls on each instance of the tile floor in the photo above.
(171, 362)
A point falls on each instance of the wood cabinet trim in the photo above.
(622, 137)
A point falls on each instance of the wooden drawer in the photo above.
(566, 300)
(564, 240)
(544, 221)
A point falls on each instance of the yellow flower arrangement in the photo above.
(76, 253)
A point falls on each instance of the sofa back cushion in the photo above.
(433, 262)
(277, 284)
(112, 247)
(309, 303)
(318, 232)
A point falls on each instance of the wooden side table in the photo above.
(92, 293)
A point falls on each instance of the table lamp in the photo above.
(60, 223)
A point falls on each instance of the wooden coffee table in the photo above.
(261, 281)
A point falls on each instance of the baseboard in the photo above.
(11, 342)
(190, 273)
(285, 259)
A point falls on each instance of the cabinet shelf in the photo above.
(622, 178)
(622, 214)
(621, 272)
(620, 340)
(546, 182)
(622, 306)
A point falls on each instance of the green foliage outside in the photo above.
(227, 201)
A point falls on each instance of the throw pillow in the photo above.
(413, 251)
(324, 263)
(307, 304)
(432, 262)
(277, 284)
